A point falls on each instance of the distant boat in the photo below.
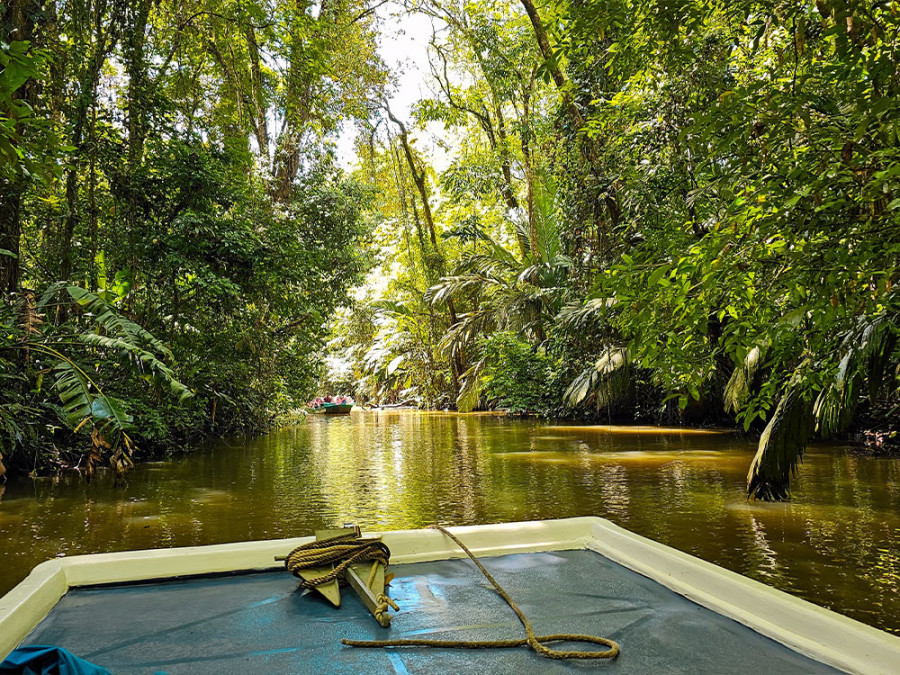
(332, 409)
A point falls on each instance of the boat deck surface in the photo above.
(262, 623)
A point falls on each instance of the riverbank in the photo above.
(68, 455)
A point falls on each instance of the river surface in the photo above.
(836, 544)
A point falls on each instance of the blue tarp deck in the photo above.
(263, 623)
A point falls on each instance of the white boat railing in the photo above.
(810, 630)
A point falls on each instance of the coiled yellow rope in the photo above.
(339, 551)
(535, 642)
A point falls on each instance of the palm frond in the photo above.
(522, 234)
(470, 390)
(142, 359)
(391, 307)
(470, 327)
(866, 358)
(501, 255)
(591, 312)
(866, 349)
(448, 287)
(76, 393)
(497, 267)
(879, 340)
(114, 323)
(605, 382)
(83, 401)
(834, 406)
(781, 446)
(546, 219)
(51, 293)
(547, 239)
(127, 337)
(738, 388)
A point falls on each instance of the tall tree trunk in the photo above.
(259, 104)
(10, 234)
(528, 158)
(105, 31)
(506, 189)
(137, 18)
(92, 201)
(136, 67)
(421, 186)
(496, 139)
(590, 150)
(540, 32)
(400, 178)
(16, 24)
(300, 89)
(418, 175)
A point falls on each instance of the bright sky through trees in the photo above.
(404, 48)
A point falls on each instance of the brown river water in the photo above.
(837, 543)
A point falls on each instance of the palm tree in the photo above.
(505, 291)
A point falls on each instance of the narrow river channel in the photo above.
(836, 544)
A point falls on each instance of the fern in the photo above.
(128, 338)
(114, 323)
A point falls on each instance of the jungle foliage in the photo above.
(683, 210)
(673, 210)
(170, 213)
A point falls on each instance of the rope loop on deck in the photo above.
(535, 642)
(384, 603)
(338, 551)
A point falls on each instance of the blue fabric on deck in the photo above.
(46, 660)
(263, 623)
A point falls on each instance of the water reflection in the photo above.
(837, 543)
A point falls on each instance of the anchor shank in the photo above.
(368, 597)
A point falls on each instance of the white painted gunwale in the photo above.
(816, 632)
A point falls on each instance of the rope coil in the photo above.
(339, 551)
(535, 642)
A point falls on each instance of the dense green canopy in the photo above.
(170, 213)
(676, 211)
(680, 211)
